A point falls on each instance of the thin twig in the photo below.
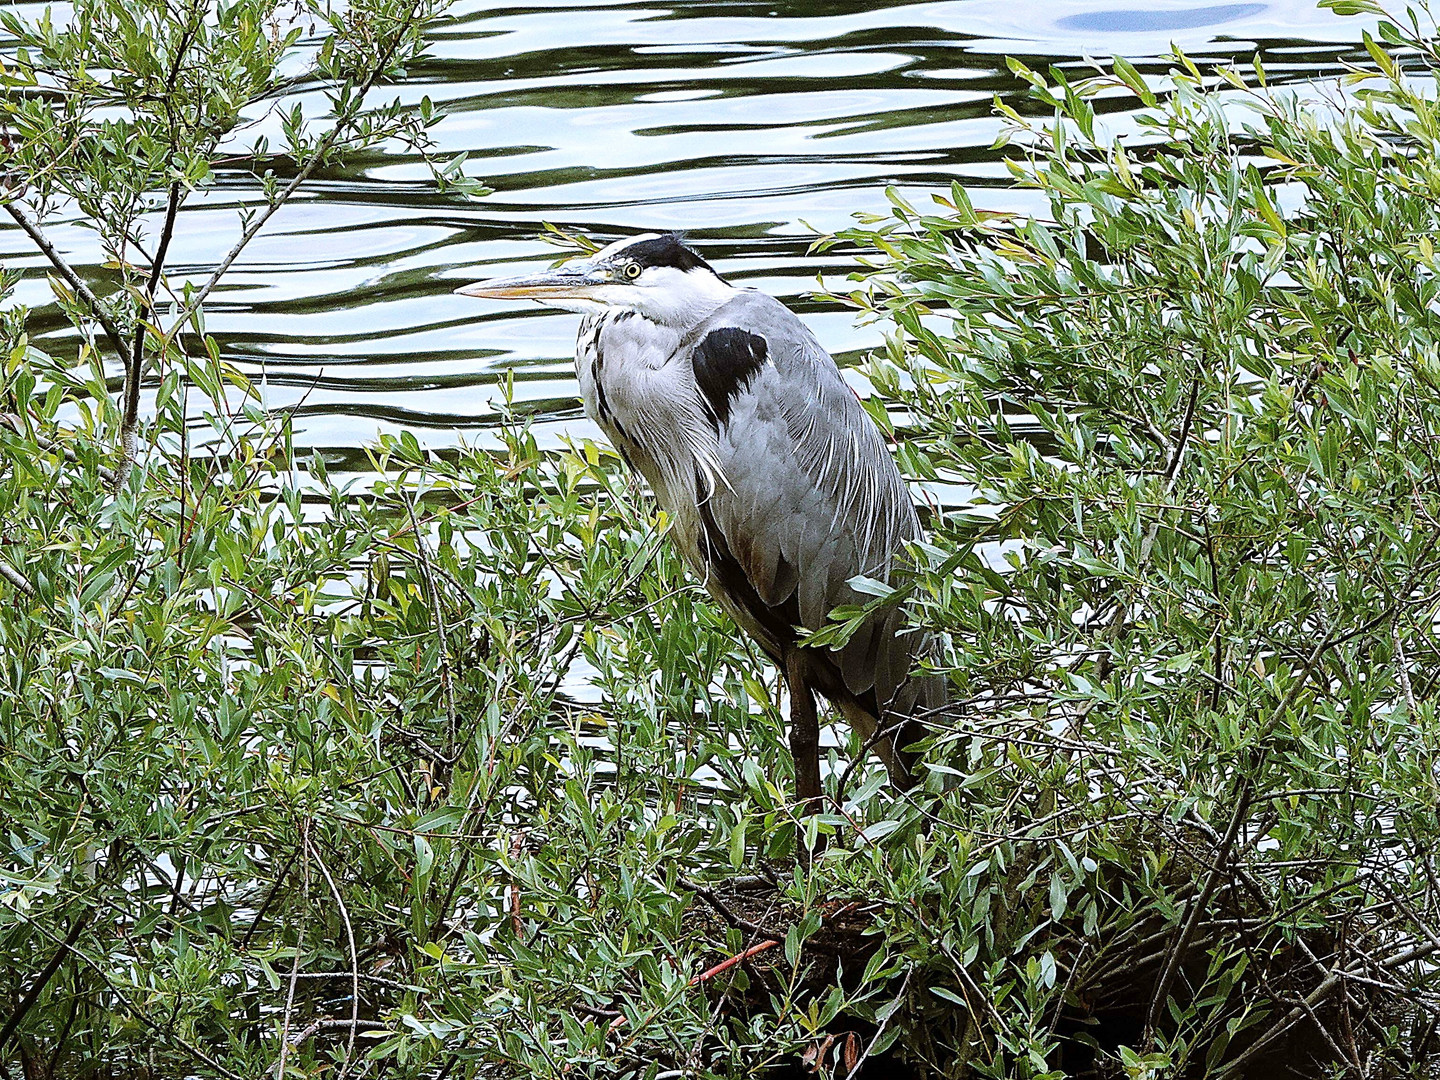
(596, 1011)
(1222, 854)
(1319, 994)
(1173, 467)
(316, 1026)
(738, 958)
(97, 309)
(446, 682)
(731, 919)
(269, 899)
(1197, 908)
(354, 962)
(378, 980)
(1402, 668)
(10, 419)
(517, 922)
(299, 944)
(880, 1030)
(1111, 633)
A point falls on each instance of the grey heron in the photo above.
(780, 487)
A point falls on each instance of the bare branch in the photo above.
(97, 309)
(316, 1026)
(1172, 468)
(354, 962)
(17, 579)
(299, 942)
(731, 919)
(11, 420)
(135, 367)
(880, 1029)
(47, 973)
(1222, 852)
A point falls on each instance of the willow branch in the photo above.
(33, 994)
(446, 680)
(97, 309)
(295, 964)
(354, 961)
(1244, 796)
(884, 1023)
(14, 422)
(135, 369)
(352, 1026)
(135, 1010)
(17, 579)
(322, 148)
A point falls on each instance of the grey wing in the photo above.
(810, 495)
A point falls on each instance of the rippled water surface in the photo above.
(746, 125)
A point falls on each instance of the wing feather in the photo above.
(811, 496)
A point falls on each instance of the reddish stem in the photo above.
(726, 965)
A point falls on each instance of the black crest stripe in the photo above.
(725, 361)
(667, 250)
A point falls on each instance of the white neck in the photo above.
(678, 298)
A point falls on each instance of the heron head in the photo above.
(654, 274)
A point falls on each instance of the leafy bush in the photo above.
(252, 738)
(1193, 597)
(457, 774)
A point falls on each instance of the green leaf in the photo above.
(737, 844)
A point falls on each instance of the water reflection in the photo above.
(745, 124)
(1139, 22)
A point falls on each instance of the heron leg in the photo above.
(804, 735)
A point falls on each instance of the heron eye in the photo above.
(632, 270)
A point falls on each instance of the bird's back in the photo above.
(809, 498)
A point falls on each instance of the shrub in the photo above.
(286, 765)
(1192, 589)
(456, 773)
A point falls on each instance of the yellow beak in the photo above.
(564, 282)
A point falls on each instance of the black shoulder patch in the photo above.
(667, 250)
(725, 361)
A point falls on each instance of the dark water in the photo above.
(746, 124)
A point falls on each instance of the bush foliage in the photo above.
(456, 773)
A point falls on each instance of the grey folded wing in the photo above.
(810, 496)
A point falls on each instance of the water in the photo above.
(748, 125)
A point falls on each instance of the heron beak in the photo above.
(562, 283)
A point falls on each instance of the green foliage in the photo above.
(125, 109)
(245, 718)
(123, 99)
(1195, 406)
(456, 773)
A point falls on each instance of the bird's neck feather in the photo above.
(680, 298)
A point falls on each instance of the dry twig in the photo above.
(354, 961)
(731, 919)
(299, 945)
